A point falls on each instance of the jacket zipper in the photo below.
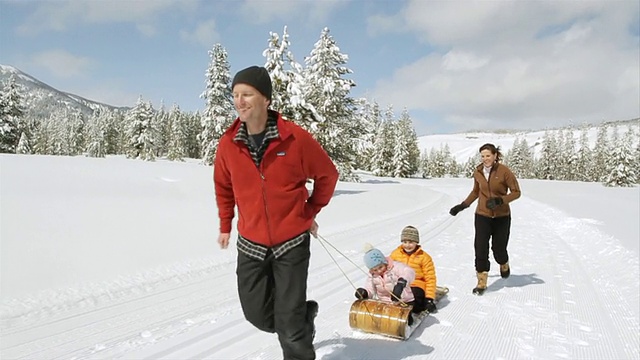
(493, 212)
(264, 198)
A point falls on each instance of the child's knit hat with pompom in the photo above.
(373, 257)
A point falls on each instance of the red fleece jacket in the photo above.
(273, 201)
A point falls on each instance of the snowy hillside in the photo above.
(117, 259)
(465, 145)
(41, 98)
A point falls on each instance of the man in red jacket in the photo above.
(262, 166)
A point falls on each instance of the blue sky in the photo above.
(455, 65)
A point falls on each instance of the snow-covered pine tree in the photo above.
(192, 122)
(546, 168)
(219, 110)
(584, 159)
(179, 134)
(405, 153)
(163, 130)
(23, 145)
(513, 159)
(439, 161)
(74, 133)
(96, 134)
(425, 169)
(450, 164)
(382, 159)
(471, 165)
(140, 131)
(328, 91)
(11, 114)
(621, 162)
(601, 153)
(368, 115)
(276, 54)
(569, 156)
(114, 137)
(527, 160)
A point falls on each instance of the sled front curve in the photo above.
(378, 317)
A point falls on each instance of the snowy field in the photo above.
(115, 258)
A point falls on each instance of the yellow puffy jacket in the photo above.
(422, 264)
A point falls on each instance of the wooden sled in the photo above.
(388, 319)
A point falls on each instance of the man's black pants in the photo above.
(497, 229)
(273, 296)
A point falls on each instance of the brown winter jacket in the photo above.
(501, 179)
(420, 261)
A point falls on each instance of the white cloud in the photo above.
(205, 34)
(62, 64)
(314, 12)
(65, 14)
(520, 64)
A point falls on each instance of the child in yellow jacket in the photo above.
(411, 253)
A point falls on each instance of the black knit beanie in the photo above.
(256, 76)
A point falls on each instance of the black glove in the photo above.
(397, 290)
(456, 209)
(494, 202)
(362, 294)
(430, 306)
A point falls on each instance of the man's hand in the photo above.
(223, 240)
(314, 229)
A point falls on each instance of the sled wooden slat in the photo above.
(379, 317)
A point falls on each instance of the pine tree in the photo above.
(23, 145)
(584, 159)
(570, 157)
(11, 113)
(425, 169)
(405, 152)
(513, 159)
(328, 91)
(140, 131)
(546, 166)
(163, 130)
(369, 116)
(96, 136)
(179, 135)
(601, 153)
(471, 165)
(382, 159)
(622, 162)
(219, 110)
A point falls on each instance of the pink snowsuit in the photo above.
(382, 286)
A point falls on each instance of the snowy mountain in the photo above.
(117, 259)
(41, 98)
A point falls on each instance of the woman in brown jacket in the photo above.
(495, 186)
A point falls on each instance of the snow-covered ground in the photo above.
(115, 258)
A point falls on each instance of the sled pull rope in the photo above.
(354, 264)
(334, 259)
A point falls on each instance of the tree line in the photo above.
(565, 154)
(315, 94)
(355, 132)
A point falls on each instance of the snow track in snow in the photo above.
(537, 313)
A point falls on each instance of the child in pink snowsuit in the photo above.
(387, 279)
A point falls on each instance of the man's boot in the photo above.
(482, 283)
(312, 312)
(505, 270)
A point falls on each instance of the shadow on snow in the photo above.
(374, 348)
(515, 281)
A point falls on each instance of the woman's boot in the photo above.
(482, 283)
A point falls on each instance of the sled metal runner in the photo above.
(385, 318)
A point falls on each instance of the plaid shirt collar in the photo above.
(271, 129)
